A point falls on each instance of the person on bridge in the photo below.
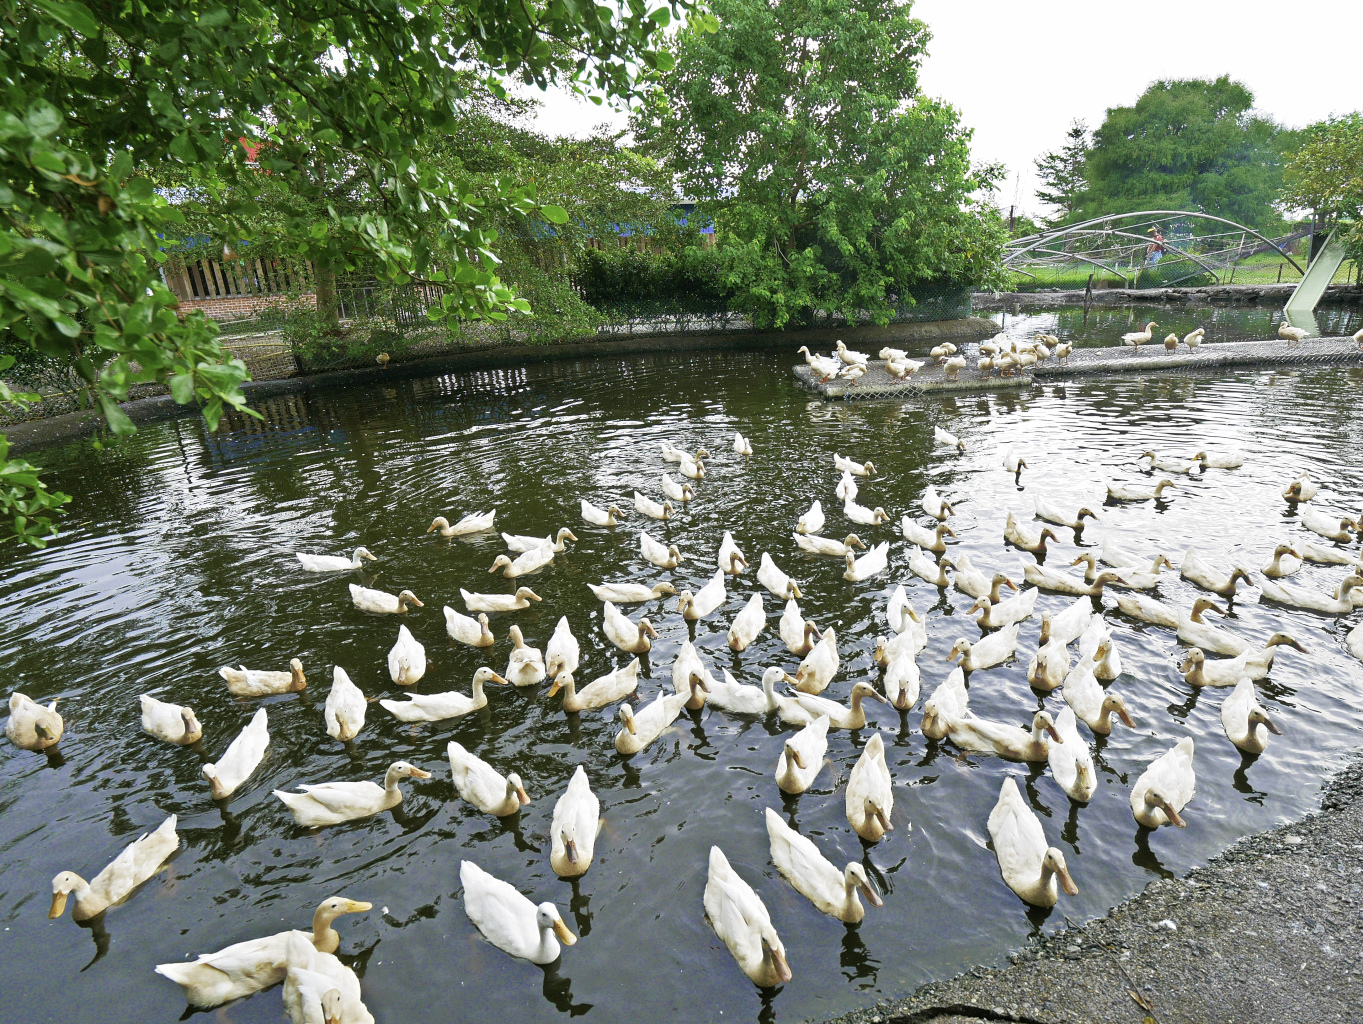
(1155, 249)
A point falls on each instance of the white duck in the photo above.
(1025, 537)
(1014, 463)
(742, 445)
(1091, 703)
(812, 521)
(1193, 631)
(382, 603)
(247, 967)
(406, 659)
(525, 666)
(1029, 867)
(692, 470)
(824, 546)
(863, 515)
(600, 692)
(776, 581)
(1285, 561)
(1007, 741)
(799, 634)
(664, 556)
(1354, 641)
(319, 989)
(510, 921)
(1328, 526)
(814, 877)
(935, 505)
(1069, 625)
(594, 516)
(732, 696)
(901, 617)
(525, 563)
(630, 593)
(855, 468)
(869, 800)
(499, 601)
(647, 506)
(631, 637)
(345, 707)
(846, 488)
(802, 757)
(1322, 555)
(1340, 603)
(1071, 761)
(741, 921)
(1124, 492)
(137, 862)
(334, 563)
(520, 543)
(245, 682)
(572, 833)
(748, 623)
(851, 716)
(1005, 613)
(689, 670)
(483, 786)
(925, 568)
(476, 523)
(1220, 460)
(639, 730)
(949, 702)
(1186, 467)
(1302, 488)
(671, 454)
(1067, 583)
(947, 438)
(437, 707)
(1099, 649)
(1197, 571)
(677, 491)
(562, 654)
(730, 559)
(1053, 513)
(169, 722)
(1139, 338)
(467, 630)
(928, 540)
(242, 756)
(874, 562)
(704, 601)
(1292, 335)
(1246, 723)
(993, 650)
(819, 666)
(330, 803)
(970, 580)
(1049, 665)
(1199, 671)
(1147, 609)
(33, 726)
(1165, 788)
(850, 357)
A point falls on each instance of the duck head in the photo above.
(855, 876)
(1257, 717)
(1205, 604)
(1054, 863)
(1113, 704)
(408, 598)
(547, 919)
(627, 719)
(438, 523)
(1042, 722)
(297, 680)
(526, 594)
(501, 562)
(773, 950)
(514, 785)
(1156, 799)
(63, 884)
(1283, 640)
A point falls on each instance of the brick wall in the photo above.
(239, 307)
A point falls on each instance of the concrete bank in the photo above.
(1269, 931)
(56, 429)
(1210, 295)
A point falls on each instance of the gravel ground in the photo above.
(1270, 931)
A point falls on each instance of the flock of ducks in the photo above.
(319, 988)
(1009, 357)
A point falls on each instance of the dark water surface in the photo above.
(177, 558)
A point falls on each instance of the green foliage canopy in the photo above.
(1187, 145)
(834, 183)
(100, 100)
(1325, 175)
(1062, 173)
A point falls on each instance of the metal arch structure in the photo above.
(1195, 244)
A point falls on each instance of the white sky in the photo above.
(1019, 72)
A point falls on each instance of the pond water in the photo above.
(177, 558)
(1105, 325)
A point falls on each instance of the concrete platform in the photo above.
(1149, 359)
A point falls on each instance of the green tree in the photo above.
(1188, 145)
(1063, 184)
(835, 184)
(1325, 175)
(97, 100)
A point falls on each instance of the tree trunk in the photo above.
(324, 287)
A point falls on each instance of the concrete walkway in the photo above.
(1270, 932)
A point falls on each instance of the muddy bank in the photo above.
(1271, 930)
(1210, 295)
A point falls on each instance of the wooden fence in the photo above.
(215, 279)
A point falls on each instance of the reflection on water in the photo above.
(178, 559)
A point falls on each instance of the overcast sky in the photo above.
(1019, 72)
